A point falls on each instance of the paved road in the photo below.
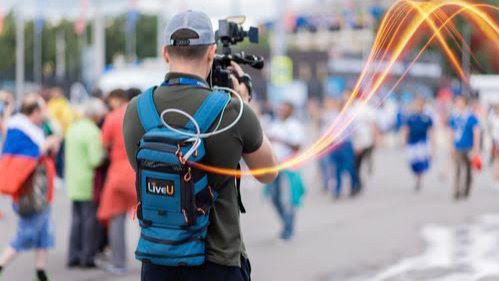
(389, 233)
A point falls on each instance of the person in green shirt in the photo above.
(84, 153)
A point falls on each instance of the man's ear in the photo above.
(166, 55)
(211, 52)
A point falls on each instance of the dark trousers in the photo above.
(285, 209)
(83, 237)
(59, 161)
(363, 155)
(207, 272)
(343, 159)
(463, 167)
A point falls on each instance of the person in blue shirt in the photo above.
(466, 136)
(417, 133)
(342, 155)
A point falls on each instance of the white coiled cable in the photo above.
(196, 138)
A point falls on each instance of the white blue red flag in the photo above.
(21, 154)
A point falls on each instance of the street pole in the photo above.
(466, 58)
(37, 56)
(19, 53)
(279, 44)
(60, 45)
(161, 25)
(159, 34)
(99, 42)
(131, 31)
(37, 44)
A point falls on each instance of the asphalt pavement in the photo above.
(388, 233)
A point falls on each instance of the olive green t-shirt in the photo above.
(224, 242)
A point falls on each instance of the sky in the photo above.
(255, 10)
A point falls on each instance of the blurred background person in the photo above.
(60, 109)
(84, 152)
(62, 114)
(364, 135)
(132, 93)
(493, 128)
(417, 135)
(287, 136)
(118, 196)
(342, 155)
(329, 113)
(465, 131)
(7, 105)
(27, 154)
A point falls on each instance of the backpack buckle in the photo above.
(178, 153)
(188, 175)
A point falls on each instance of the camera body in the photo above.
(230, 33)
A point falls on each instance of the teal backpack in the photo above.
(174, 198)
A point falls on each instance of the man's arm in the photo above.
(51, 145)
(293, 146)
(132, 132)
(263, 157)
(405, 134)
(476, 139)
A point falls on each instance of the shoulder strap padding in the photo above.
(208, 112)
(205, 116)
(148, 115)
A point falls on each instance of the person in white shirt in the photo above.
(365, 134)
(287, 136)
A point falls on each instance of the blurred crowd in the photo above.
(450, 121)
(85, 144)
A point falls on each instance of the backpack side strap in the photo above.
(148, 115)
(209, 110)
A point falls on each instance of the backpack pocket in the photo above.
(164, 196)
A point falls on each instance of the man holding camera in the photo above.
(190, 50)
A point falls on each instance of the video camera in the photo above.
(231, 32)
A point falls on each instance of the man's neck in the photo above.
(188, 69)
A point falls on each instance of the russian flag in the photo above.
(21, 154)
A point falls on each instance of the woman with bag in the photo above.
(27, 174)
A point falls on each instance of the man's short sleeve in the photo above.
(250, 130)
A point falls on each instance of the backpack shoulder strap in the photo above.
(148, 115)
(209, 110)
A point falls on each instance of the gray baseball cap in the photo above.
(189, 28)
